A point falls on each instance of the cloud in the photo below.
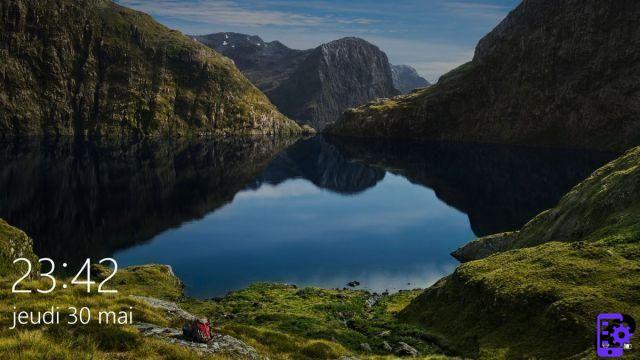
(434, 36)
(479, 11)
(227, 12)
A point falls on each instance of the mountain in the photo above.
(406, 78)
(552, 73)
(96, 68)
(312, 86)
(563, 268)
(265, 64)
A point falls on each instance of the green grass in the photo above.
(288, 322)
(521, 301)
(605, 207)
(148, 280)
(91, 341)
(567, 265)
(130, 74)
(514, 304)
(280, 321)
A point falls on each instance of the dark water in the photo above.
(228, 212)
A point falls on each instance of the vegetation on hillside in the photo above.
(280, 321)
(573, 82)
(97, 68)
(323, 324)
(582, 258)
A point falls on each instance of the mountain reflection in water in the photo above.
(228, 212)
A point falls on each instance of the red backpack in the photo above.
(197, 330)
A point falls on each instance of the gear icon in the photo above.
(621, 334)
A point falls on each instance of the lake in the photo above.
(228, 212)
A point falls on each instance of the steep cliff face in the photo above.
(311, 86)
(406, 78)
(559, 73)
(569, 264)
(96, 68)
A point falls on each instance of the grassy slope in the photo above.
(582, 258)
(90, 341)
(292, 323)
(242, 102)
(112, 70)
(389, 117)
(605, 207)
(281, 321)
(93, 340)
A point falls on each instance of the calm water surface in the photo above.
(226, 213)
(392, 236)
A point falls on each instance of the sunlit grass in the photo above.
(567, 265)
(93, 340)
(292, 322)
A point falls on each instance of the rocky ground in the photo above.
(219, 344)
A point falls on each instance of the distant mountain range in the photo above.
(406, 78)
(315, 86)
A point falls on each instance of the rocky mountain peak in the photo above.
(311, 86)
(406, 78)
(348, 41)
(224, 41)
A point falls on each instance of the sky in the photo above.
(434, 36)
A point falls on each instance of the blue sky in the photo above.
(434, 36)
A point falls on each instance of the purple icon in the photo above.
(614, 332)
